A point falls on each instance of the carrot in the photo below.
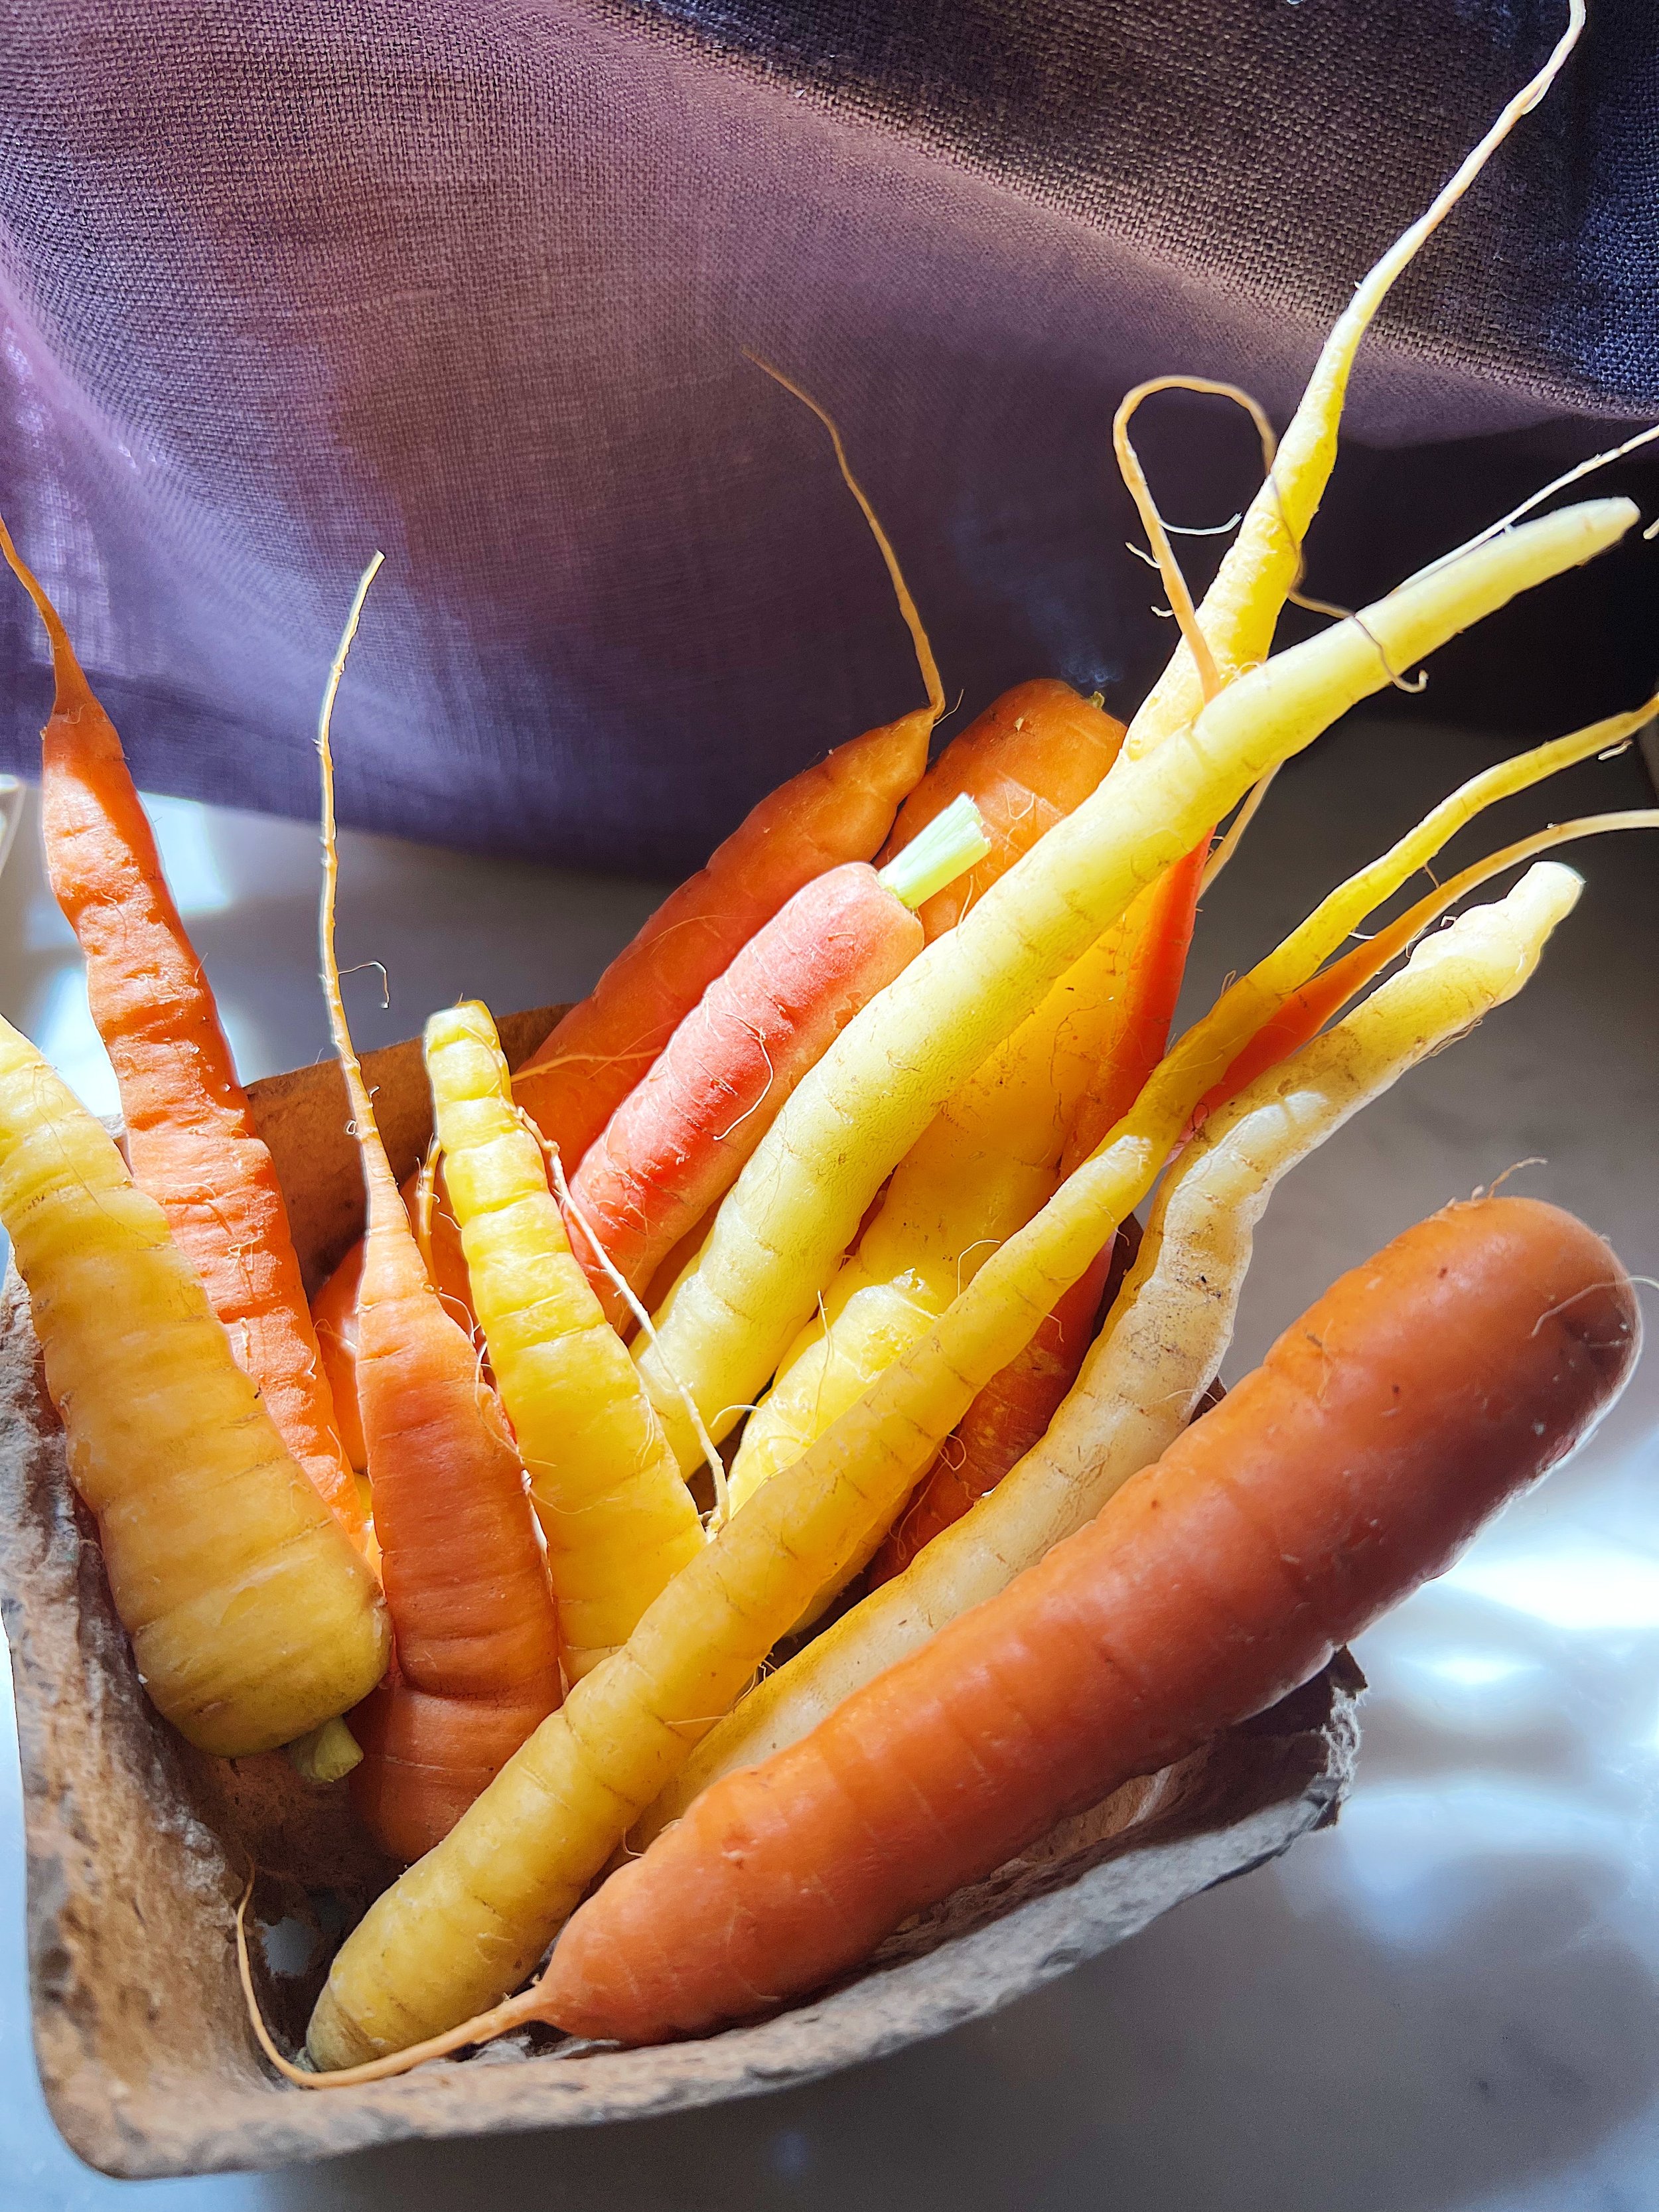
(1031, 758)
(1404, 1408)
(334, 1309)
(190, 1135)
(986, 1163)
(836, 811)
(1014, 1408)
(675, 1144)
(253, 1619)
(839, 809)
(618, 1520)
(334, 1317)
(457, 1931)
(476, 1663)
(790, 1213)
(1163, 1342)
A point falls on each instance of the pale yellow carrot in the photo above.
(980, 1171)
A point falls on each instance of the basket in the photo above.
(139, 1846)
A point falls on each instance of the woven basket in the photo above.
(138, 1846)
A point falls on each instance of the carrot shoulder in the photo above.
(1032, 758)
(1405, 1407)
(190, 1135)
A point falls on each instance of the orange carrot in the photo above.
(677, 1143)
(334, 1309)
(191, 1138)
(1157, 934)
(334, 1317)
(476, 1663)
(1416, 1396)
(1014, 1409)
(1033, 756)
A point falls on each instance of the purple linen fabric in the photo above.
(282, 280)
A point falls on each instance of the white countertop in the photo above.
(1451, 1999)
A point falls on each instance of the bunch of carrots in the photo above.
(799, 1274)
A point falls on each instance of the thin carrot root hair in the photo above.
(1572, 475)
(362, 1106)
(63, 653)
(426, 1194)
(1328, 992)
(1170, 569)
(1241, 822)
(907, 608)
(1395, 938)
(1157, 531)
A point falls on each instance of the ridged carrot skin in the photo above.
(334, 1309)
(477, 1648)
(839, 810)
(619, 1522)
(1417, 1395)
(1031, 758)
(253, 1619)
(190, 1135)
(678, 1142)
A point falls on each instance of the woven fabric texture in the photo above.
(284, 280)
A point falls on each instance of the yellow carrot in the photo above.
(253, 1619)
(1241, 609)
(980, 1171)
(797, 1203)
(464, 1926)
(1163, 1344)
(618, 1520)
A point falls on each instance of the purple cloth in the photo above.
(282, 280)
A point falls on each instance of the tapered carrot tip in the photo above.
(1406, 1405)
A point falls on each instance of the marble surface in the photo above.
(1451, 2000)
